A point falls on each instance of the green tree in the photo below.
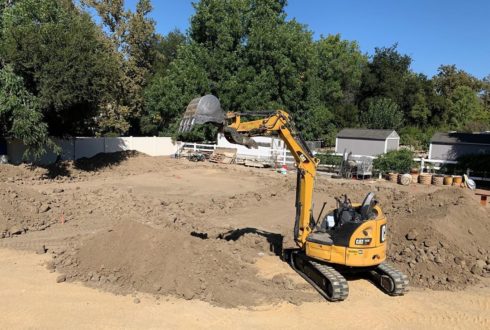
(62, 57)
(166, 50)
(386, 75)
(420, 112)
(382, 113)
(167, 95)
(333, 80)
(244, 52)
(338, 68)
(133, 36)
(449, 78)
(485, 96)
(20, 117)
(465, 109)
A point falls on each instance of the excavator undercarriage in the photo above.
(330, 282)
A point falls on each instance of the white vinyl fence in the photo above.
(80, 147)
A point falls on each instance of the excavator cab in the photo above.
(346, 212)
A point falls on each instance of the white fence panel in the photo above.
(86, 147)
(145, 145)
(116, 144)
(67, 149)
(165, 146)
(80, 147)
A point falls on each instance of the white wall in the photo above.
(80, 147)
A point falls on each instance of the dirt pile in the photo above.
(441, 240)
(22, 210)
(134, 257)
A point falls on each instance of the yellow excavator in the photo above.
(348, 240)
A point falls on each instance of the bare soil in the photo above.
(129, 223)
(32, 299)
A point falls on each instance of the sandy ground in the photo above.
(31, 298)
(204, 235)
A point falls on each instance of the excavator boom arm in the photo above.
(280, 123)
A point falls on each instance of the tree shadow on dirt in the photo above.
(58, 169)
(63, 168)
(103, 160)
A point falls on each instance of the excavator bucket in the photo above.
(202, 110)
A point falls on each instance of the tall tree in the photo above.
(386, 75)
(133, 35)
(166, 49)
(449, 78)
(20, 115)
(243, 51)
(485, 96)
(61, 56)
(465, 110)
(382, 113)
(335, 73)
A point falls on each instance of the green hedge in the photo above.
(329, 159)
(400, 161)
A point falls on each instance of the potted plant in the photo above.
(394, 163)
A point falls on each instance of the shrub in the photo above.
(395, 161)
(329, 159)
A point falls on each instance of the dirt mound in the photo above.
(20, 174)
(133, 257)
(440, 239)
(22, 210)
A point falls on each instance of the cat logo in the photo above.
(363, 241)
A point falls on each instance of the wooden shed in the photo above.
(366, 142)
(450, 146)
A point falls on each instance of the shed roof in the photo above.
(461, 138)
(367, 134)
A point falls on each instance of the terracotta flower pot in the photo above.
(414, 170)
(457, 180)
(448, 180)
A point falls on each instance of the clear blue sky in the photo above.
(432, 32)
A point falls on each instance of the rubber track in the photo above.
(339, 283)
(400, 279)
